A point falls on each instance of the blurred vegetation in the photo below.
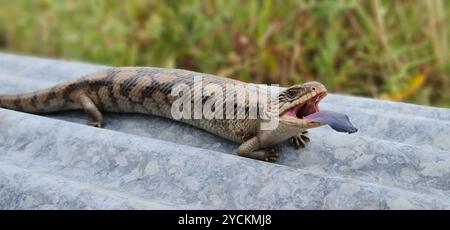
(395, 50)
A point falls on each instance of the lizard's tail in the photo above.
(43, 101)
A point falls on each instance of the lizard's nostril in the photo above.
(313, 88)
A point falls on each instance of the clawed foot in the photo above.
(300, 140)
(270, 155)
(94, 124)
(247, 149)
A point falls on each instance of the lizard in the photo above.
(147, 90)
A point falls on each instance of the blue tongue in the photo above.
(337, 121)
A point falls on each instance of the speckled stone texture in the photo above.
(399, 158)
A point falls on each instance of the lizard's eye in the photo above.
(291, 93)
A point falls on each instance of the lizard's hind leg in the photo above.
(91, 110)
(251, 149)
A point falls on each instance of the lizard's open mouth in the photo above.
(309, 106)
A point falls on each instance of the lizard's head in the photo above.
(299, 101)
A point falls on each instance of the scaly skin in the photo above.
(147, 90)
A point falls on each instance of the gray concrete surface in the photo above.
(399, 159)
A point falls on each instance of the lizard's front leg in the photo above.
(251, 149)
(300, 140)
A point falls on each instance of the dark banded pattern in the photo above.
(136, 90)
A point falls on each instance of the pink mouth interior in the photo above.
(309, 107)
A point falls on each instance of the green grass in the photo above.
(397, 50)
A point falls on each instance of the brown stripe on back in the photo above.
(40, 98)
(18, 103)
(109, 82)
(68, 91)
(26, 102)
(128, 85)
(105, 99)
(123, 102)
(50, 96)
(140, 84)
(161, 101)
(94, 83)
(33, 100)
